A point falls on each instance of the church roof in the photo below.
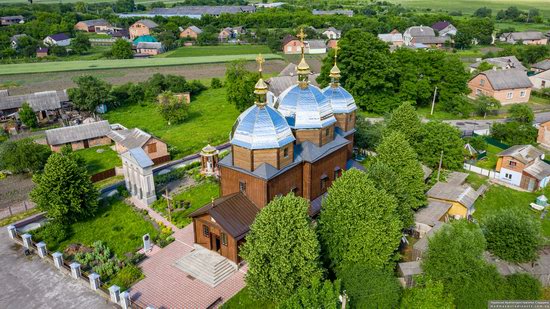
(340, 99)
(306, 108)
(261, 127)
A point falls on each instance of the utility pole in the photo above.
(440, 162)
(433, 101)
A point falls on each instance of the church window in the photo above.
(285, 152)
(224, 239)
(324, 183)
(242, 186)
(327, 131)
(205, 231)
(337, 173)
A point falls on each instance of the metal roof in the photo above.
(147, 22)
(234, 213)
(542, 65)
(432, 213)
(261, 128)
(316, 44)
(420, 31)
(431, 39)
(309, 152)
(539, 169)
(340, 99)
(76, 133)
(195, 29)
(202, 10)
(59, 37)
(38, 101)
(305, 108)
(95, 22)
(289, 70)
(279, 84)
(149, 45)
(391, 37)
(502, 62)
(422, 244)
(522, 153)
(134, 138)
(410, 268)
(440, 25)
(507, 79)
(462, 194)
(140, 157)
(525, 35)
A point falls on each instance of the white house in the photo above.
(332, 33)
(59, 39)
(541, 80)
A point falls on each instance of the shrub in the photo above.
(100, 260)
(127, 276)
(216, 83)
(523, 287)
(52, 233)
(513, 235)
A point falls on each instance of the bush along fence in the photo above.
(112, 293)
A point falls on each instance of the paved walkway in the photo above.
(153, 214)
(30, 282)
(166, 286)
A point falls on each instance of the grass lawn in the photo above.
(244, 300)
(197, 196)
(116, 224)
(200, 51)
(490, 162)
(476, 180)
(210, 122)
(99, 161)
(62, 66)
(499, 197)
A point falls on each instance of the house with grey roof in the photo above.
(524, 37)
(142, 27)
(191, 32)
(315, 47)
(149, 48)
(46, 103)
(541, 80)
(444, 28)
(429, 216)
(79, 136)
(394, 38)
(503, 63)
(93, 25)
(58, 39)
(541, 66)
(507, 86)
(455, 192)
(332, 33)
(424, 35)
(126, 139)
(523, 166)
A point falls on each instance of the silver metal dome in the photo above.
(306, 108)
(261, 127)
(340, 99)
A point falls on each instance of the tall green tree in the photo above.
(282, 250)
(27, 115)
(172, 109)
(400, 157)
(90, 92)
(367, 69)
(122, 49)
(486, 104)
(64, 190)
(80, 44)
(368, 134)
(23, 156)
(514, 133)
(513, 235)
(358, 223)
(521, 113)
(404, 119)
(321, 295)
(427, 294)
(455, 258)
(240, 85)
(442, 137)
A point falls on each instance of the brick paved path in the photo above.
(165, 286)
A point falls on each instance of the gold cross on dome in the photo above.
(301, 35)
(260, 60)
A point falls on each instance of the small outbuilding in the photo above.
(80, 136)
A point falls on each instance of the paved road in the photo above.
(29, 282)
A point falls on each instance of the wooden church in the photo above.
(301, 144)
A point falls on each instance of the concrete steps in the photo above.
(206, 266)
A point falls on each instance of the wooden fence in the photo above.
(104, 175)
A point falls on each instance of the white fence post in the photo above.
(12, 231)
(41, 247)
(58, 259)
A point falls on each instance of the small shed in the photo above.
(407, 271)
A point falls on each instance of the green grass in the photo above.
(499, 197)
(490, 162)
(221, 50)
(476, 180)
(210, 120)
(62, 66)
(197, 196)
(469, 6)
(99, 161)
(243, 299)
(116, 224)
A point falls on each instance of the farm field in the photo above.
(210, 120)
(469, 6)
(220, 50)
(26, 83)
(61, 66)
